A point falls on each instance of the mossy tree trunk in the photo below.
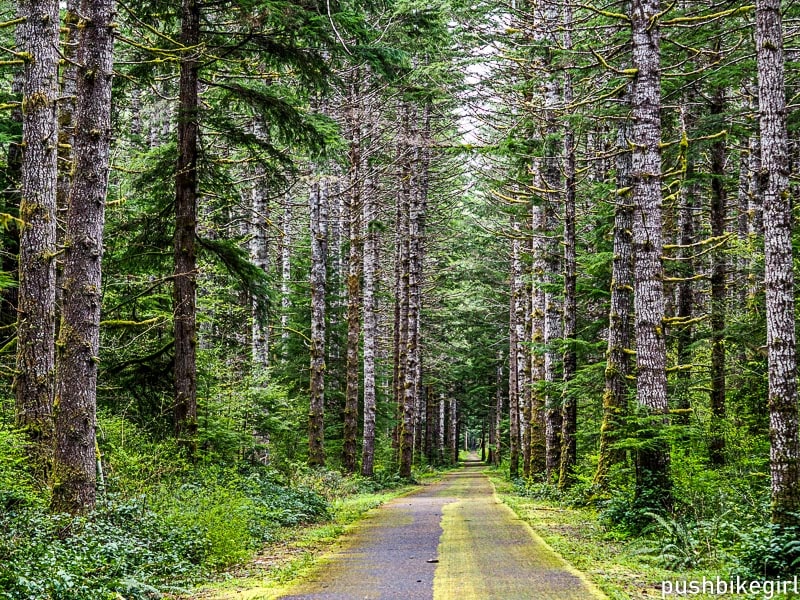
(781, 340)
(370, 330)
(569, 403)
(355, 262)
(35, 367)
(516, 339)
(615, 394)
(74, 465)
(719, 277)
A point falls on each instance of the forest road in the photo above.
(451, 540)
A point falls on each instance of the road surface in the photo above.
(453, 540)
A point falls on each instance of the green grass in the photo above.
(576, 535)
(624, 570)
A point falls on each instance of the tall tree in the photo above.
(619, 317)
(185, 277)
(652, 461)
(716, 444)
(569, 404)
(34, 377)
(79, 337)
(370, 329)
(318, 203)
(355, 266)
(781, 340)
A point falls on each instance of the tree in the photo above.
(652, 460)
(355, 268)
(185, 276)
(781, 341)
(318, 203)
(79, 337)
(617, 368)
(35, 369)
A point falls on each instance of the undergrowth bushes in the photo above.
(717, 520)
(161, 524)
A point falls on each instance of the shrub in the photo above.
(17, 487)
(770, 551)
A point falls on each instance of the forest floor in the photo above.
(452, 539)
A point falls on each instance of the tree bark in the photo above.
(684, 292)
(405, 298)
(286, 269)
(74, 463)
(370, 331)
(319, 253)
(781, 340)
(569, 404)
(453, 430)
(185, 280)
(515, 316)
(538, 441)
(35, 368)
(615, 394)
(716, 438)
(259, 254)
(354, 272)
(652, 464)
(497, 457)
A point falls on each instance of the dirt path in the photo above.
(454, 540)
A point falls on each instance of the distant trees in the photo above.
(330, 258)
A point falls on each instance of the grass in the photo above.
(296, 551)
(613, 565)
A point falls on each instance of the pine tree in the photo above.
(79, 338)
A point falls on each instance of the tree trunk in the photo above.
(405, 299)
(552, 332)
(34, 378)
(430, 425)
(286, 269)
(66, 131)
(569, 404)
(319, 254)
(716, 438)
(652, 465)
(370, 331)
(497, 457)
(538, 441)
(617, 359)
(354, 272)
(781, 341)
(259, 254)
(453, 431)
(185, 281)
(516, 316)
(441, 440)
(686, 269)
(76, 390)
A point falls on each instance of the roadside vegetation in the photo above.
(164, 525)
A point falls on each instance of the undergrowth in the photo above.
(161, 524)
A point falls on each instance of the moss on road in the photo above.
(451, 540)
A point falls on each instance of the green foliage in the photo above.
(163, 523)
(770, 551)
(122, 546)
(680, 543)
(17, 487)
